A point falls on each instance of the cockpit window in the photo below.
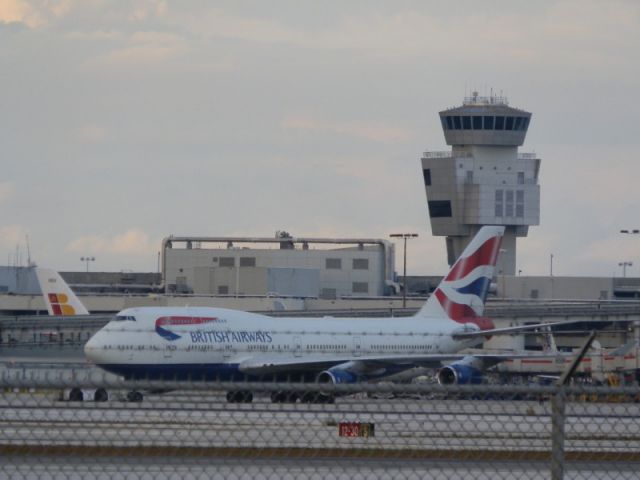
(125, 318)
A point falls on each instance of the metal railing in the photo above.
(450, 154)
(315, 431)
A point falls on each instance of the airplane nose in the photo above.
(91, 348)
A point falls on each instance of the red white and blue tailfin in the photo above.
(462, 293)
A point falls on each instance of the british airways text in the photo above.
(231, 337)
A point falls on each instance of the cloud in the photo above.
(12, 236)
(6, 191)
(90, 133)
(132, 242)
(17, 11)
(141, 49)
(145, 10)
(33, 14)
(374, 131)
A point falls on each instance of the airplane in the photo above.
(59, 298)
(201, 343)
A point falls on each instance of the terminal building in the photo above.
(326, 268)
(483, 180)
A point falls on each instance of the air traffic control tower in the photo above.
(483, 180)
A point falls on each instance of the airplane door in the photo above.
(357, 346)
(297, 347)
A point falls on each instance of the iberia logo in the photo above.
(59, 304)
(173, 321)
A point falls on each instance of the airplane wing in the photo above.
(367, 363)
(257, 365)
(509, 330)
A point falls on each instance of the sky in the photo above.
(122, 123)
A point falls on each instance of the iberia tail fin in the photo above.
(462, 293)
(59, 298)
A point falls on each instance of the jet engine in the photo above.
(337, 375)
(465, 371)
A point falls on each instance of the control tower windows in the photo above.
(520, 203)
(517, 124)
(499, 205)
(426, 173)
(469, 176)
(508, 203)
(449, 122)
(509, 124)
(520, 178)
(487, 122)
(439, 208)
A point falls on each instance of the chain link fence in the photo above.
(176, 430)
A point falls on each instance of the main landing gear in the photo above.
(239, 397)
(306, 397)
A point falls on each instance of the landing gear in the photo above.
(239, 397)
(100, 395)
(284, 397)
(317, 397)
(75, 395)
(306, 397)
(135, 397)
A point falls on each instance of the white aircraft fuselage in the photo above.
(212, 343)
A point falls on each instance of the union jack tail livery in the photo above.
(462, 293)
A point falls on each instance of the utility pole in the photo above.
(404, 236)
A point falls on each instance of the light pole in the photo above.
(404, 276)
(624, 266)
(504, 283)
(87, 260)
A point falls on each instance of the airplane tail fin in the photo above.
(59, 298)
(548, 341)
(462, 293)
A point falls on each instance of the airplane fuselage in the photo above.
(227, 345)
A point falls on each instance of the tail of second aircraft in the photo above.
(59, 298)
(462, 293)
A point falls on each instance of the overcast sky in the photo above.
(124, 122)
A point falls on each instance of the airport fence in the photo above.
(175, 430)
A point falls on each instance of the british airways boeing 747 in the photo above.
(185, 343)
